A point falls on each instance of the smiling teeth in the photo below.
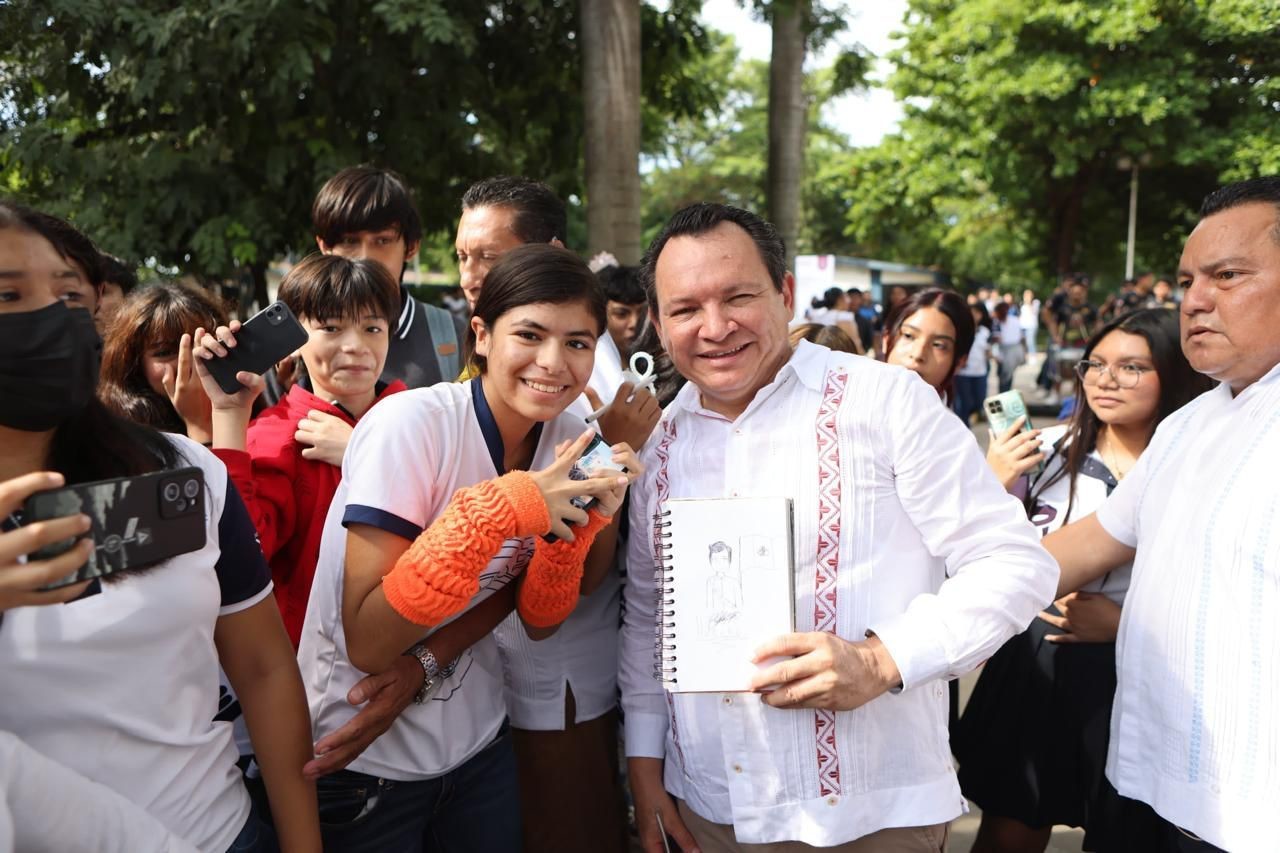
(546, 389)
(726, 352)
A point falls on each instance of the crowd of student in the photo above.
(404, 631)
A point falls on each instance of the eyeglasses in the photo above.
(1125, 375)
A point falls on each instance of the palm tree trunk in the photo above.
(787, 118)
(611, 97)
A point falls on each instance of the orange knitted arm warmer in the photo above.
(551, 582)
(440, 572)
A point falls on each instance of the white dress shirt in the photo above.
(1195, 728)
(891, 497)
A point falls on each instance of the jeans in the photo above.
(1029, 338)
(257, 836)
(970, 392)
(473, 808)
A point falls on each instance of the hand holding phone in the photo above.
(134, 522)
(254, 347)
(1012, 437)
(570, 487)
(24, 578)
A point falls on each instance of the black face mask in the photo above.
(48, 366)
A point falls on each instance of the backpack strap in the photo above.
(445, 337)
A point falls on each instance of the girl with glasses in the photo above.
(1032, 743)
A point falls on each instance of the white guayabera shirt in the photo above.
(900, 528)
(1195, 728)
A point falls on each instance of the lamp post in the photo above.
(1132, 164)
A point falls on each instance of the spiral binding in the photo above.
(664, 647)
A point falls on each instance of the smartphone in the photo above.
(264, 339)
(134, 521)
(1002, 410)
(597, 455)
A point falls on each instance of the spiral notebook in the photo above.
(725, 573)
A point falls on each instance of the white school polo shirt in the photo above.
(406, 458)
(1195, 728)
(122, 686)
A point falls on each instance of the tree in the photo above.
(611, 99)
(198, 136)
(787, 117)
(1019, 110)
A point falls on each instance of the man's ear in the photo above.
(325, 248)
(789, 291)
(411, 251)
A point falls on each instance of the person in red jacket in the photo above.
(284, 464)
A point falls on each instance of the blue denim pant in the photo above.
(256, 836)
(474, 808)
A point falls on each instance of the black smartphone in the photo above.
(597, 455)
(134, 521)
(263, 339)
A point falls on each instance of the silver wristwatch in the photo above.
(433, 675)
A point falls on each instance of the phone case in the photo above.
(263, 339)
(1002, 410)
(135, 521)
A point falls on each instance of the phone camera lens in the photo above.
(191, 488)
(180, 504)
(171, 492)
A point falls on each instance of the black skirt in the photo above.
(1032, 742)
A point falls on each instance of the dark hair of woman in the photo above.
(1179, 385)
(985, 320)
(532, 274)
(831, 337)
(952, 305)
(152, 318)
(94, 444)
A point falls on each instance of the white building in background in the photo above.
(815, 274)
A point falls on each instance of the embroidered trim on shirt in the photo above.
(662, 489)
(828, 563)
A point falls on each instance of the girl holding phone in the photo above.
(445, 497)
(121, 684)
(1032, 743)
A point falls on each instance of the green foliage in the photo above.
(1018, 112)
(197, 135)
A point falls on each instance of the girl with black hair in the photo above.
(1033, 740)
(446, 496)
(120, 685)
(930, 333)
(971, 377)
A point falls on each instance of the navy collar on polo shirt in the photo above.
(489, 427)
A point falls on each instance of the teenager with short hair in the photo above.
(445, 493)
(118, 281)
(287, 483)
(121, 684)
(368, 212)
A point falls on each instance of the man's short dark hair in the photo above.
(116, 271)
(621, 284)
(540, 214)
(700, 218)
(1265, 190)
(365, 198)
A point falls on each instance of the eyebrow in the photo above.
(1233, 261)
(913, 327)
(538, 327)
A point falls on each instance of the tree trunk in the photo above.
(610, 35)
(788, 117)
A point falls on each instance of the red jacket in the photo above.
(288, 496)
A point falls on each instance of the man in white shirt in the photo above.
(891, 499)
(1195, 728)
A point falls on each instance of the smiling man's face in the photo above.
(720, 317)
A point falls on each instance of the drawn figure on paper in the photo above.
(756, 553)
(724, 595)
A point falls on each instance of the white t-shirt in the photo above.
(122, 686)
(1030, 315)
(1094, 483)
(979, 353)
(830, 316)
(406, 458)
(1195, 726)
